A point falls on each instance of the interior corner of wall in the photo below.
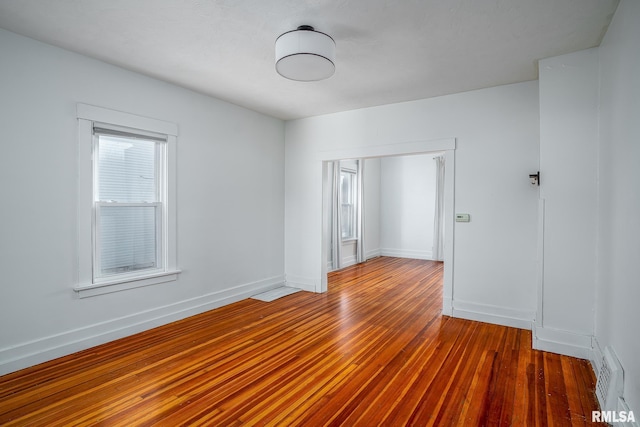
(562, 342)
(596, 355)
(447, 306)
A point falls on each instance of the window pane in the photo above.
(126, 170)
(347, 223)
(345, 187)
(347, 190)
(128, 238)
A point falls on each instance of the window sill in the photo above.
(124, 283)
(350, 240)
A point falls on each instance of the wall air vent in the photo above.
(610, 382)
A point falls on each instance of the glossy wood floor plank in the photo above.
(374, 350)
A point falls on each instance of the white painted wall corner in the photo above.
(405, 253)
(562, 342)
(493, 314)
(305, 283)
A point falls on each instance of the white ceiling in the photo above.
(386, 51)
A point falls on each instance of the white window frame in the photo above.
(353, 190)
(87, 284)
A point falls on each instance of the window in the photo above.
(347, 203)
(127, 202)
(127, 224)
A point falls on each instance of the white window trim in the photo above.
(353, 172)
(85, 285)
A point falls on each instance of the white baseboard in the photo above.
(304, 283)
(447, 306)
(493, 314)
(41, 350)
(596, 356)
(576, 345)
(352, 259)
(349, 261)
(624, 406)
(373, 253)
(563, 342)
(402, 253)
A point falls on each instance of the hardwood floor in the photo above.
(374, 350)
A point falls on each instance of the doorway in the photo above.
(444, 146)
(391, 206)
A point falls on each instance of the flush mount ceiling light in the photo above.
(305, 55)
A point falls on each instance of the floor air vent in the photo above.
(610, 382)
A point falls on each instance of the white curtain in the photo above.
(438, 219)
(361, 255)
(336, 226)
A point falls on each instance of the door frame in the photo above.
(444, 145)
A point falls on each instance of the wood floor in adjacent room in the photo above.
(374, 350)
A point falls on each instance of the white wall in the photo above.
(372, 207)
(407, 206)
(589, 160)
(568, 165)
(230, 202)
(618, 291)
(496, 133)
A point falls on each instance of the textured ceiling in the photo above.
(386, 51)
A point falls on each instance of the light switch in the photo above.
(462, 217)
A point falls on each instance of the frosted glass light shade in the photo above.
(305, 55)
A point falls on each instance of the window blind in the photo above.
(122, 132)
(127, 202)
(128, 238)
(126, 170)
